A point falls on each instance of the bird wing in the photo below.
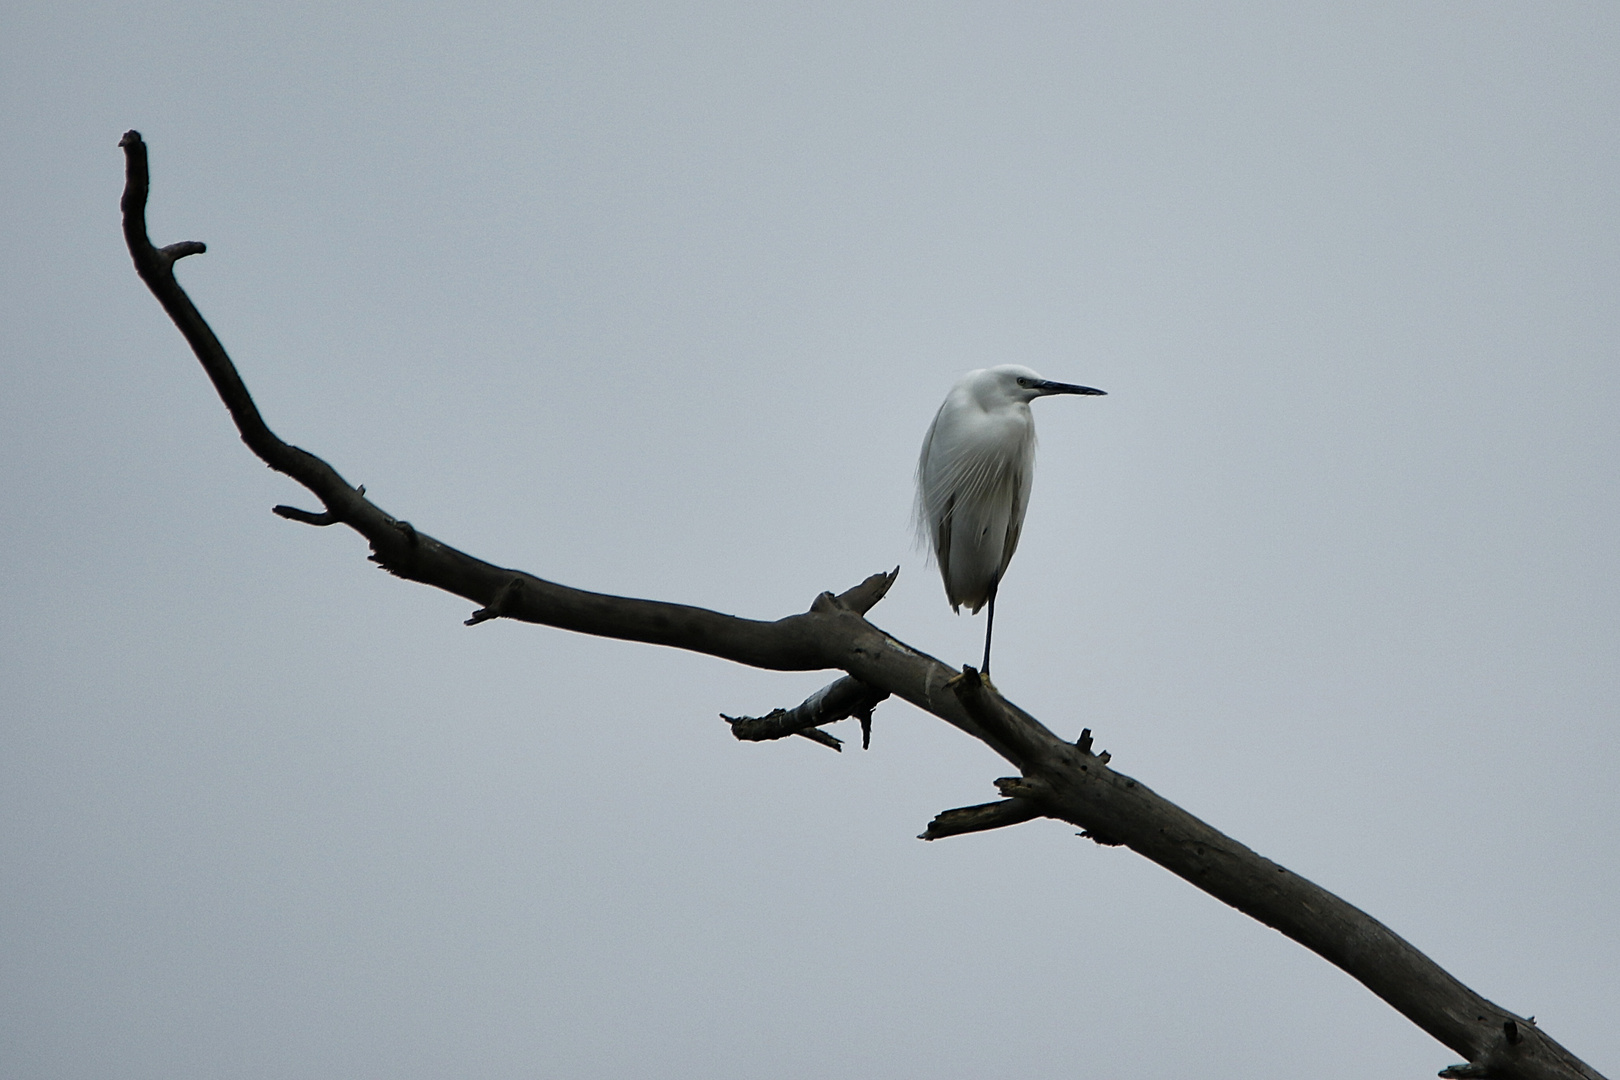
(1022, 474)
(942, 550)
(973, 482)
(934, 509)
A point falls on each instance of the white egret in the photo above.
(973, 481)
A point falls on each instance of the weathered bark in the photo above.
(1058, 779)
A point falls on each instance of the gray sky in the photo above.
(660, 302)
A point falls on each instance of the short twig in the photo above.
(816, 735)
(499, 606)
(292, 513)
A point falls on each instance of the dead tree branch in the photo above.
(985, 816)
(837, 701)
(1058, 779)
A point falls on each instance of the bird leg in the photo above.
(989, 626)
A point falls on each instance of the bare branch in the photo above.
(292, 513)
(836, 701)
(1060, 779)
(971, 819)
(1024, 736)
(865, 596)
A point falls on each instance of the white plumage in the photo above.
(974, 477)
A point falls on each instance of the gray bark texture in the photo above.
(1057, 779)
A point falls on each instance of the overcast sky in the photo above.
(660, 301)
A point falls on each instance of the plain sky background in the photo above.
(659, 301)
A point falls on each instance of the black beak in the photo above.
(1047, 386)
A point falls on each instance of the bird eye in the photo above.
(1023, 381)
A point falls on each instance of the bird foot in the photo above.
(969, 673)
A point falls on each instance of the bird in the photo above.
(973, 482)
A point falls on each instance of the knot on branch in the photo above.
(1083, 744)
(395, 557)
(827, 603)
(1505, 1056)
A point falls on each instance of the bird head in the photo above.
(1014, 382)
